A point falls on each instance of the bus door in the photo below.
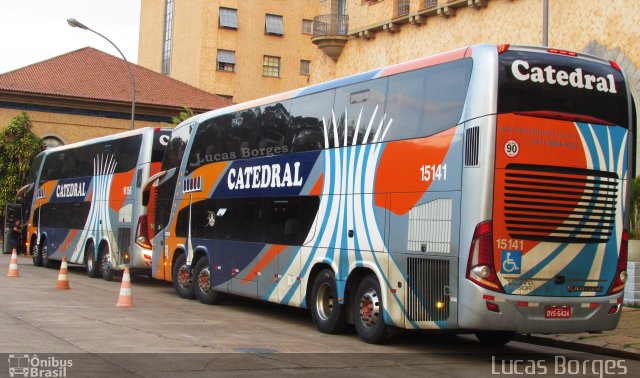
(12, 211)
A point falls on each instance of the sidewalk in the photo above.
(624, 341)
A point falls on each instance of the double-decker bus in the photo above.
(86, 202)
(483, 190)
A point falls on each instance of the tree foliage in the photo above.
(18, 147)
(185, 114)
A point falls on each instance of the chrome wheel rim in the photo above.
(184, 279)
(369, 308)
(325, 301)
(204, 280)
(90, 262)
(106, 265)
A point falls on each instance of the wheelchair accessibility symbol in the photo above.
(511, 261)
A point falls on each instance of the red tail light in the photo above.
(480, 267)
(621, 271)
(142, 233)
(503, 48)
(615, 65)
(562, 52)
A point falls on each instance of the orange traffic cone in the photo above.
(13, 265)
(63, 279)
(125, 299)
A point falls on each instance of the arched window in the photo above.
(52, 141)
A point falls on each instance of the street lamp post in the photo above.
(77, 24)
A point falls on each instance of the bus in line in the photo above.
(484, 190)
(85, 204)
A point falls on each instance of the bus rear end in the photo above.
(553, 257)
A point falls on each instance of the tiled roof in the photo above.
(88, 73)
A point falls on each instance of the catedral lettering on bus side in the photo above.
(264, 176)
(550, 75)
(71, 190)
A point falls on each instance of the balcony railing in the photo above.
(430, 3)
(330, 24)
(403, 8)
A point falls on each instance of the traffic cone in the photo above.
(125, 299)
(13, 265)
(63, 278)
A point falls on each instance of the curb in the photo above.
(577, 346)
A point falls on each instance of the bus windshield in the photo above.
(561, 86)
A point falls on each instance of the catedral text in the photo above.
(577, 79)
(71, 190)
(264, 176)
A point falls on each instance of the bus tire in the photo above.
(202, 283)
(368, 311)
(327, 313)
(35, 254)
(105, 263)
(495, 338)
(182, 279)
(93, 266)
(46, 262)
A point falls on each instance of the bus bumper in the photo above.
(486, 310)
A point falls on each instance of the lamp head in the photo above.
(76, 24)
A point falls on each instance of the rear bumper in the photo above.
(526, 314)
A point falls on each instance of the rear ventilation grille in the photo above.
(430, 227)
(472, 143)
(428, 296)
(124, 241)
(556, 204)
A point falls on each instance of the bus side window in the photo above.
(360, 102)
(427, 101)
(306, 131)
(270, 130)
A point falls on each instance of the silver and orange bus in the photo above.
(483, 190)
(85, 203)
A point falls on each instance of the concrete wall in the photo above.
(71, 128)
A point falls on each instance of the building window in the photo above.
(307, 26)
(168, 33)
(228, 18)
(305, 67)
(367, 2)
(226, 60)
(273, 25)
(271, 66)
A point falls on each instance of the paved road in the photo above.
(238, 338)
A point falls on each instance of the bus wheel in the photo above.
(182, 278)
(105, 263)
(495, 338)
(46, 262)
(368, 311)
(93, 268)
(202, 285)
(328, 314)
(35, 254)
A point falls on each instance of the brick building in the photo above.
(87, 93)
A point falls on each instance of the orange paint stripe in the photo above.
(317, 188)
(271, 254)
(68, 240)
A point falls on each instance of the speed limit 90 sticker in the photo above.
(511, 148)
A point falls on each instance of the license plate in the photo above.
(557, 312)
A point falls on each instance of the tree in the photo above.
(183, 116)
(18, 147)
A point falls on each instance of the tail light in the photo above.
(142, 233)
(621, 271)
(562, 52)
(480, 268)
(503, 48)
(615, 65)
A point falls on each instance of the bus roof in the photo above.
(105, 138)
